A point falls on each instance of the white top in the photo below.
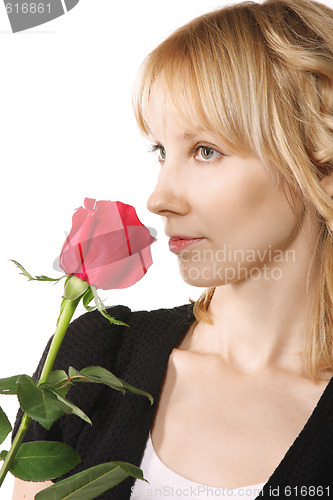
(165, 483)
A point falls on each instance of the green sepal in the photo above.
(101, 307)
(5, 426)
(68, 278)
(112, 320)
(91, 483)
(42, 460)
(87, 298)
(75, 288)
(36, 278)
(91, 294)
(9, 385)
(41, 405)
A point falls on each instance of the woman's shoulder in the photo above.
(92, 324)
(91, 338)
(137, 353)
(162, 317)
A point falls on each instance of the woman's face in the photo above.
(229, 202)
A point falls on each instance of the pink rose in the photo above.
(108, 246)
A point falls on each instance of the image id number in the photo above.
(28, 8)
(304, 491)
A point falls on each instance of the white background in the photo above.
(67, 132)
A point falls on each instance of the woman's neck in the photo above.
(261, 323)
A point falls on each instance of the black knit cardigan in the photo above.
(121, 423)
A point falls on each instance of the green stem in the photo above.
(26, 420)
(63, 322)
(65, 317)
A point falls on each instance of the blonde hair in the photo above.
(261, 76)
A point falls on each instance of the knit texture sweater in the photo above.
(121, 423)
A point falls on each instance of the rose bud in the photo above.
(107, 246)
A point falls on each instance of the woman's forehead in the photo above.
(162, 105)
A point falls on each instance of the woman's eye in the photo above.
(159, 149)
(205, 153)
(161, 153)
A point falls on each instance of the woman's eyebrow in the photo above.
(188, 136)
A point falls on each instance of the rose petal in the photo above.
(107, 246)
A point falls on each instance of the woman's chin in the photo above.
(198, 280)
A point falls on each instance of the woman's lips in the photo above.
(179, 243)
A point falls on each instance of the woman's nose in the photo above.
(169, 195)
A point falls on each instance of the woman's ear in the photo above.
(327, 184)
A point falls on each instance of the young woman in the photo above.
(238, 105)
